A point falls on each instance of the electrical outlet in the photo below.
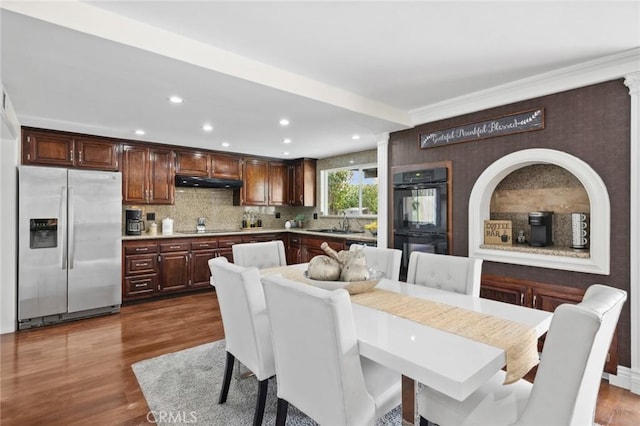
(151, 216)
(277, 215)
(315, 216)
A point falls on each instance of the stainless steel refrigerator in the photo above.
(69, 244)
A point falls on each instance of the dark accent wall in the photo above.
(591, 123)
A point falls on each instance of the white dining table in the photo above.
(449, 363)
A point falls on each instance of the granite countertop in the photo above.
(550, 250)
(360, 236)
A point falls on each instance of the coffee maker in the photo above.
(134, 225)
(541, 229)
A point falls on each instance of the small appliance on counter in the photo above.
(541, 228)
(134, 222)
(200, 227)
(167, 226)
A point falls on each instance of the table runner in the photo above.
(519, 342)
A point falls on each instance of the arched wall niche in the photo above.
(479, 210)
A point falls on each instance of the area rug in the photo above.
(182, 388)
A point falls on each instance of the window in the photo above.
(353, 190)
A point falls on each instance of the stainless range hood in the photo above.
(206, 182)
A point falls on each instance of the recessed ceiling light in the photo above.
(287, 140)
(285, 153)
(225, 144)
(207, 127)
(284, 122)
(175, 99)
(351, 161)
(139, 132)
(355, 137)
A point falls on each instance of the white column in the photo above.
(632, 81)
(383, 189)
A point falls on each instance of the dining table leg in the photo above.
(408, 401)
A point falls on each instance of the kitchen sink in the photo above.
(336, 231)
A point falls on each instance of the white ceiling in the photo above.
(334, 69)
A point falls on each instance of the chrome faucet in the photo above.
(345, 222)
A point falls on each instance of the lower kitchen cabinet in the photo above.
(310, 246)
(293, 250)
(174, 267)
(543, 296)
(140, 270)
(157, 267)
(202, 250)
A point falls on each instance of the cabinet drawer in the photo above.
(141, 248)
(175, 246)
(142, 264)
(142, 285)
(229, 241)
(204, 245)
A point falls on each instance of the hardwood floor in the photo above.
(80, 373)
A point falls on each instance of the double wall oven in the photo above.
(420, 212)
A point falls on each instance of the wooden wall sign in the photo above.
(514, 123)
(497, 232)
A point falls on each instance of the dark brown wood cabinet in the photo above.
(147, 175)
(202, 250)
(278, 184)
(225, 245)
(226, 166)
(303, 183)
(255, 187)
(174, 266)
(294, 250)
(310, 246)
(140, 272)
(192, 163)
(51, 148)
(543, 296)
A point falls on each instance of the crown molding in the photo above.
(586, 73)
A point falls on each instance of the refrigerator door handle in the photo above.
(63, 215)
(71, 227)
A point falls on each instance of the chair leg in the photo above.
(228, 371)
(281, 412)
(260, 402)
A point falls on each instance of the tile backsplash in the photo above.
(216, 206)
(540, 187)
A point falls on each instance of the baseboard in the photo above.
(625, 379)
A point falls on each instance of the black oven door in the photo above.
(420, 208)
(426, 243)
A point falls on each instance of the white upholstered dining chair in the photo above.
(262, 255)
(451, 273)
(386, 260)
(318, 363)
(246, 326)
(565, 389)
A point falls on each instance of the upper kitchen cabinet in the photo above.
(192, 163)
(255, 185)
(303, 183)
(226, 167)
(278, 183)
(51, 148)
(196, 163)
(147, 175)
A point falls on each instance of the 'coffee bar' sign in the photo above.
(514, 123)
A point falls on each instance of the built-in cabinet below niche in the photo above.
(595, 260)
